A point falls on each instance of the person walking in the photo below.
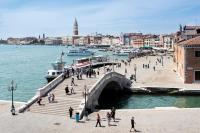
(154, 68)
(73, 71)
(108, 115)
(113, 113)
(67, 73)
(67, 90)
(125, 71)
(72, 90)
(132, 124)
(49, 97)
(52, 97)
(98, 120)
(39, 101)
(70, 111)
(72, 82)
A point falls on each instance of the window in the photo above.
(198, 31)
(197, 75)
(197, 53)
(53, 73)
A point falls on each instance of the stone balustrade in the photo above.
(41, 92)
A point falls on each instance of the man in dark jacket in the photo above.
(133, 124)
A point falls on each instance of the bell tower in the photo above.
(75, 27)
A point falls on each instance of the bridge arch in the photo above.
(109, 94)
(96, 90)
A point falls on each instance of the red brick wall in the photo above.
(192, 63)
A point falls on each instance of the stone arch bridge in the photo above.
(96, 90)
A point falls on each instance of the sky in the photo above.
(21, 18)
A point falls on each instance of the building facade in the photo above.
(153, 41)
(53, 41)
(187, 32)
(168, 41)
(187, 60)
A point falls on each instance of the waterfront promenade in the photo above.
(166, 120)
(54, 117)
(162, 77)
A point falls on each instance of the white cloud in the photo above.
(107, 17)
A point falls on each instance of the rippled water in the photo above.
(27, 66)
(134, 101)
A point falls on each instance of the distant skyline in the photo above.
(20, 18)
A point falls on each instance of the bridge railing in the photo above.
(44, 90)
(41, 92)
(102, 80)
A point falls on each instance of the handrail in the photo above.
(41, 92)
(102, 79)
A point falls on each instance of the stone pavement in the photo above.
(163, 76)
(166, 120)
(63, 101)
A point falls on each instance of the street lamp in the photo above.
(12, 88)
(85, 94)
(106, 60)
(135, 69)
(113, 61)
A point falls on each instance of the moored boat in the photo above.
(80, 52)
(58, 68)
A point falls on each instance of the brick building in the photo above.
(187, 60)
(187, 32)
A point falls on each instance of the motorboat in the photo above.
(90, 61)
(122, 52)
(80, 52)
(58, 68)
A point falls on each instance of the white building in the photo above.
(67, 40)
(168, 41)
(53, 40)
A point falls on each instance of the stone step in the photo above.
(54, 107)
(64, 111)
(54, 113)
(65, 108)
(72, 96)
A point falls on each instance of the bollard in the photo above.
(77, 117)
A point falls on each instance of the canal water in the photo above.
(133, 101)
(28, 65)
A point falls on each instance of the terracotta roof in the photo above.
(191, 27)
(192, 41)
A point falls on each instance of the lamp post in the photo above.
(104, 68)
(135, 69)
(85, 94)
(113, 62)
(12, 88)
(162, 59)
